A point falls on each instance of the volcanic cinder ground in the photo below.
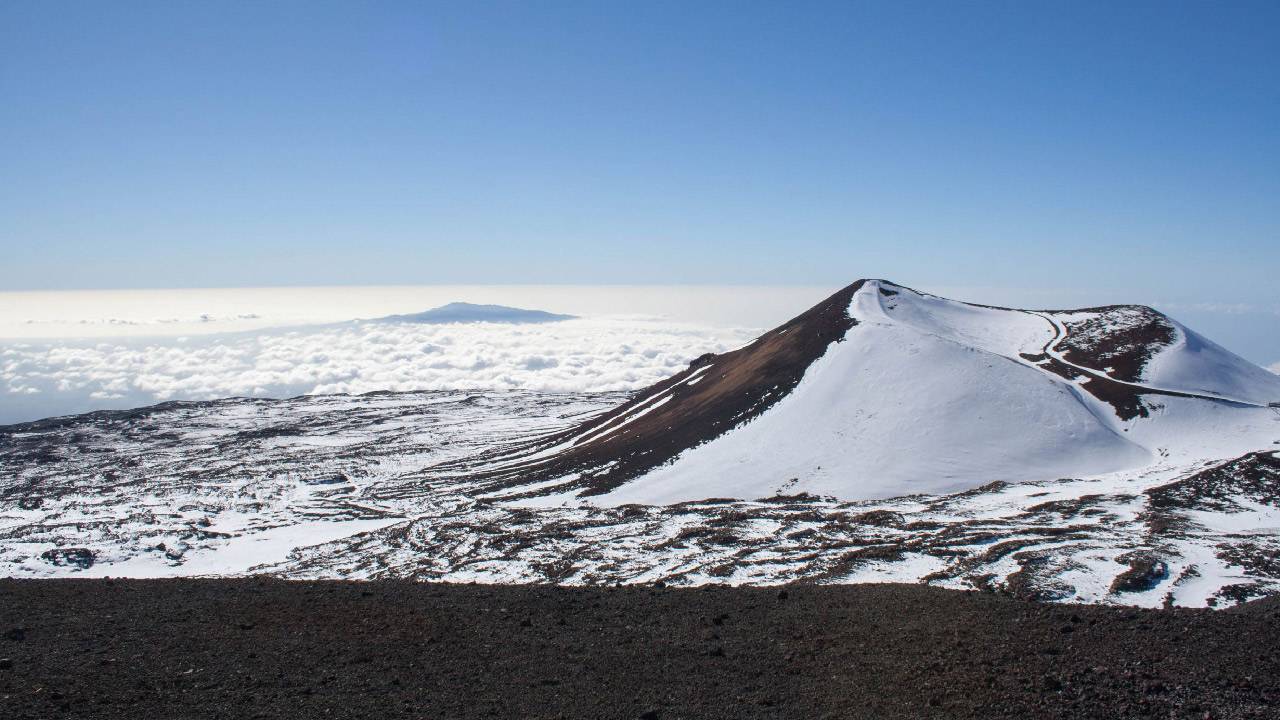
(270, 649)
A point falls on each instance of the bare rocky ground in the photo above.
(267, 648)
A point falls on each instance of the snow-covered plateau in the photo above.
(1102, 455)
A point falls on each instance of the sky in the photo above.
(1130, 150)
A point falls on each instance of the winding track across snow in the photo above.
(1060, 334)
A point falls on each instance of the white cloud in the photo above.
(1274, 367)
(38, 380)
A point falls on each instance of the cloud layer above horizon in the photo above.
(45, 379)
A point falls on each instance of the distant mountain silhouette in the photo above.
(461, 312)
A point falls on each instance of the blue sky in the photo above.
(1128, 150)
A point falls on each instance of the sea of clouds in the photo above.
(134, 348)
(42, 379)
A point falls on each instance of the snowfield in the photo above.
(927, 402)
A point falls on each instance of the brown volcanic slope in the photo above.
(738, 386)
(1121, 337)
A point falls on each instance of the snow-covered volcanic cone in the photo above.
(882, 391)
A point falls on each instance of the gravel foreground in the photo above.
(265, 648)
